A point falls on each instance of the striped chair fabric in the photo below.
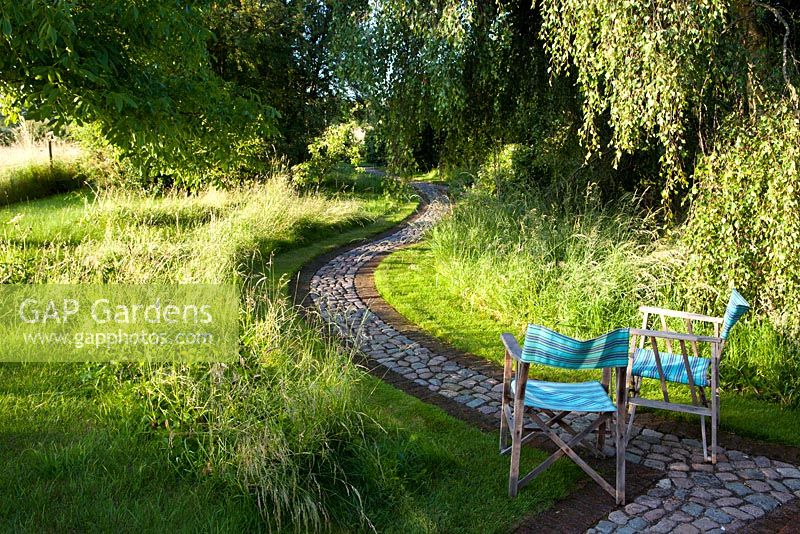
(644, 364)
(737, 307)
(547, 347)
(573, 397)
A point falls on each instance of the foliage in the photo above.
(444, 81)
(141, 71)
(744, 229)
(280, 50)
(640, 66)
(374, 147)
(337, 144)
(513, 171)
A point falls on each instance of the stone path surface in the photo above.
(692, 496)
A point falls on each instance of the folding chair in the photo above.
(555, 400)
(696, 371)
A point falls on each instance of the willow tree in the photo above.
(710, 82)
(461, 76)
(664, 73)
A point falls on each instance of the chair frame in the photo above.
(512, 425)
(700, 406)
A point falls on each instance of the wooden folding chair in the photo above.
(548, 403)
(695, 371)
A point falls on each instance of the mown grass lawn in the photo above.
(408, 280)
(462, 480)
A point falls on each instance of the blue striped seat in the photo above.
(572, 397)
(644, 365)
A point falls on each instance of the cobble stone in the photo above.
(729, 501)
(635, 508)
(618, 516)
(693, 509)
(705, 524)
(792, 483)
(765, 502)
(753, 510)
(605, 527)
(654, 515)
(719, 516)
(737, 513)
(663, 526)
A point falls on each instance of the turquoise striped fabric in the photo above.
(644, 364)
(574, 397)
(737, 307)
(547, 347)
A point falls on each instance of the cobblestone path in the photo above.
(692, 496)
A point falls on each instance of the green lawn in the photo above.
(60, 218)
(73, 459)
(408, 281)
(462, 480)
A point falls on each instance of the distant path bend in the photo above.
(677, 490)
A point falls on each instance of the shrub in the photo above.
(375, 147)
(744, 228)
(337, 144)
(512, 170)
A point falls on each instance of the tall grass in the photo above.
(578, 268)
(582, 268)
(284, 423)
(39, 180)
(209, 237)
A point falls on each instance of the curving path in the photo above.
(690, 496)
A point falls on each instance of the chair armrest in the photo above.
(681, 314)
(511, 345)
(674, 336)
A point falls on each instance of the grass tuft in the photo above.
(39, 180)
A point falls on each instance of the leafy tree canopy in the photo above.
(140, 69)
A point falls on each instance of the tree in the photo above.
(280, 50)
(663, 73)
(140, 70)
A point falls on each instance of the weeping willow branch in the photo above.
(776, 12)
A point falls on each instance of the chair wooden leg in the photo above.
(516, 431)
(516, 450)
(705, 438)
(714, 423)
(507, 400)
(714, 401)
(629, 431)
(504, 429)
(620, 440)
(601, 431)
